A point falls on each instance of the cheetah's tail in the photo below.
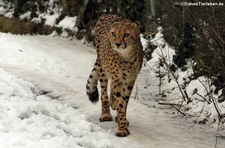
(92, 90)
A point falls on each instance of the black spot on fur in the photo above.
(118, 94)
(129, 87)
(121, 105)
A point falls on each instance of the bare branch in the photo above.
(174, 105)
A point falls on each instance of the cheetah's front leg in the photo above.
(121, 106)
(106, 115)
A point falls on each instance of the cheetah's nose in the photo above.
(118, 44)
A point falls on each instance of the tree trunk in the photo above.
(18, 4)
(153, 14)
(148, 16)
(81, 13)
(156, 9)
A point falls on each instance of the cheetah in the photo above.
(119, 60)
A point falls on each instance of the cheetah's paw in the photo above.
(122, 132)
(106, 117)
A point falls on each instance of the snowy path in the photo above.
(59, 69)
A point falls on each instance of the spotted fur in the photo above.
(119, 60)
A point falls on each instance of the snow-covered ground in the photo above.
(43, 102)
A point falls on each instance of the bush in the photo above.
(198, 37)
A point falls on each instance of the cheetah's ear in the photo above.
(136, 24)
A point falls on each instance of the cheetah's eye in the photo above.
(113, 34)
(126, 34)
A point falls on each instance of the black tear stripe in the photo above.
(132, 38)
(124, 40)
(114, 39)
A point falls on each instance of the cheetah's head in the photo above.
(123, 34)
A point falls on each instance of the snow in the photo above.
(25, 16)
(6, 9)
(68, 23)
(163, 49)
(51, 19)
(43, 102)
(35, 120)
